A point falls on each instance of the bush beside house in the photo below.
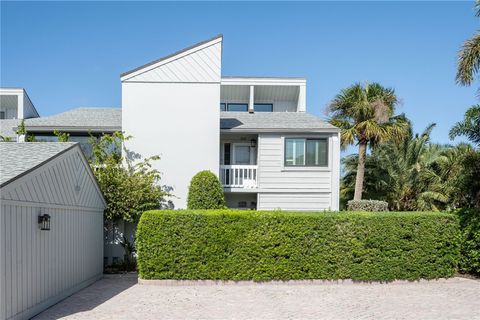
(255, 245)
(205, 192)
(367, 205)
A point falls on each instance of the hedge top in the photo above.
(307, 214)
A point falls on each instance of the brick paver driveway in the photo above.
(122, 298)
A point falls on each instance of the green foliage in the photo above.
(22, 131)
(367, 205)
(62, 136)
(469, 126)
(5, 139)
(129, 187)
(418, 175)
(470, 246)
(365, 113)
(205, 192)
(275, 245)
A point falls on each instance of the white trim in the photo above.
(307, 168)
(49, 205)
(264, 81)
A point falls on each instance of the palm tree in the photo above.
(410, 175)
(469, 126)
(365, 114)
(469, 56)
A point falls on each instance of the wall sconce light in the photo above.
(253, 143)
(44, 221)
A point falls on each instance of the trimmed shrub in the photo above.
(275, 245)
(367, 205)
(205, 192)
(470, 246)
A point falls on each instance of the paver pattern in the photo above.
(122, 298)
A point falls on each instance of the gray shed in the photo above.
(51, 226)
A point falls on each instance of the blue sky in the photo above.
(70, 54)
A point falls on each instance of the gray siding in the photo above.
(294, 201)
(39, 268)
(295, 188)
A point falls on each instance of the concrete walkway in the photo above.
(122, 298)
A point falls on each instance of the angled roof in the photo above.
(273, 122)
(163, 59)
(17, 159)
(79, 119)
(8, 127)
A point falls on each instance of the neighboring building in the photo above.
(15, 105)
(80, 123)
(51, 226)
(253, 132)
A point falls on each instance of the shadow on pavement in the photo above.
(90, 297)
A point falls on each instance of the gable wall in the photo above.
(173, 111)
(65, 180)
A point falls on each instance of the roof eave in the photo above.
(281, 130)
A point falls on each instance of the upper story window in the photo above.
(306, 152)
(234, 107)
(263, 107)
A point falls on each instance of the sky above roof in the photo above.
(71, 54)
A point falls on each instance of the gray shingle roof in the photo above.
(273, 121)
(94, 119)
(19, 158)
(8, 127)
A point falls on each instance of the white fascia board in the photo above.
(11, 90)
(168, 59)
(235, 81)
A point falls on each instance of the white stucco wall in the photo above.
(179, 122)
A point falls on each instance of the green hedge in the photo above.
(256, 245)
(470, 245)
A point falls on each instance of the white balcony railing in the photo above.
(238, 176)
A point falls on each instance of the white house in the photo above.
(51, 226)
(253, 132)
(15, 105)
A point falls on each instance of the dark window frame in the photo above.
(262, 104)
(223, 106)
(305, 154)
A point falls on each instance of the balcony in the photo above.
(240, 177)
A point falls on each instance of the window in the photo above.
(2, 114)
(223, 107)
(237, 107)
(306, 152)
(263, 107)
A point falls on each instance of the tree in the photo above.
(129, 187)
(469, 56)
(469, 126)
(365, 114)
